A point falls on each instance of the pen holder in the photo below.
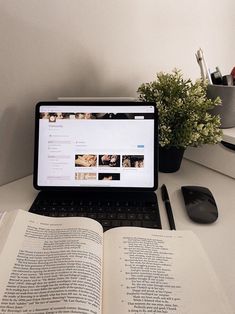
(227, 109)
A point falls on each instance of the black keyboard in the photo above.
(110, 211)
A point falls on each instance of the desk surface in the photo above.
(217, 238)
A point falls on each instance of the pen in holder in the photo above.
(227, 109)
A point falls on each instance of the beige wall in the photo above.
(51, 48)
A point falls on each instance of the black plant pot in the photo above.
(170, 158)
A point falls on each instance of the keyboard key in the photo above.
(82, 214)
(137, 223)
(92, 215)
(150, 224)
(126, 223)
(147, 217)
(111, 216)
(121, 216)
(131, 216)
(106, 223)
(102, 216)
(62, 214)
(140, 216)
(116, 223)
(53, 214)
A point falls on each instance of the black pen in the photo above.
(166, 200)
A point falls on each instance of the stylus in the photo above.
(166, 200)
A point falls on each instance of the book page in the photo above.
(6, 221)
(51, 265)
(157, 271)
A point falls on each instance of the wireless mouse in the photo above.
(200, 204)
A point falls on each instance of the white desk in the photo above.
(218, 239)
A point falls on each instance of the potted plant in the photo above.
(184, 119)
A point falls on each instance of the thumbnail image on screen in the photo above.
(86, 160)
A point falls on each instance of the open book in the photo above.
(68, 265)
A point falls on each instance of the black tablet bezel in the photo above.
(85, 188)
